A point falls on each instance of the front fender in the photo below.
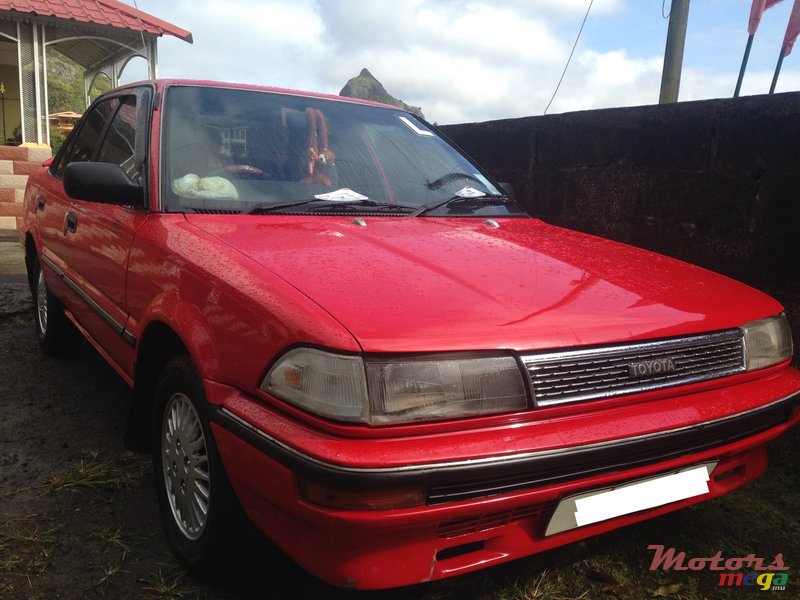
(231, 314)
(188, 324)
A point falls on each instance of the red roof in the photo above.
(100, 12)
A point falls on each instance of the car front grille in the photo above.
(486, 521)
(604, 372)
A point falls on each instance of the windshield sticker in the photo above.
(413, 127)
(342, 195)
(469, 192)
(194, 186)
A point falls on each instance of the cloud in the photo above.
(260, 42)
(460, 60)
(550, 9)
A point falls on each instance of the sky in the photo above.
(473, 60)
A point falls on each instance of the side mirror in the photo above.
(101, 182)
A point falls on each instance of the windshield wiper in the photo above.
(464, 202)
(368, 205)
(268, 208)
(330, 205)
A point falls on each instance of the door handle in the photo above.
(70, 222)
(40, 202)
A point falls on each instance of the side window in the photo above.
(83, 146)
(119, 146)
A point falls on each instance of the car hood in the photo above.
(436, 284)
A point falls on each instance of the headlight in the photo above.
(396, 391)
(331, 385)
(767, 342)
(439, 389)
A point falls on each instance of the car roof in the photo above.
(162, 84)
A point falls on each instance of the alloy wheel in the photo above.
(185, 466)
(41, 302)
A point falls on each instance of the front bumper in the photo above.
(480, 510)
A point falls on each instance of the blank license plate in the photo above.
(601, 505)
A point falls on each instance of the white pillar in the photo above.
(33, 81)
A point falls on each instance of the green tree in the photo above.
(56, 140)
(64, 83)
(100, 84)
(65, 89)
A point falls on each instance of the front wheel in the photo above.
(56, 334)
(194, 494)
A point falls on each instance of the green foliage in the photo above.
(64, 84)
(56, 140)
(100, 85)
(65, 89)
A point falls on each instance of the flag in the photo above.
(758, 8)
(792, 29)
(756, 11)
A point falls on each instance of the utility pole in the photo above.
(673, 54)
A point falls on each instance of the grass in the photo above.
(94, 472)
(17, 319)
(113, 540)
(27, 546)
(169, 582)
(109, 572)
(544, 586)
(10, 493)
(116, 542)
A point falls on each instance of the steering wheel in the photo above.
(450, 177)
(241, 172)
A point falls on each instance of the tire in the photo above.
(56, 334)
(198, 506)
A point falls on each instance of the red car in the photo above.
(329, 315)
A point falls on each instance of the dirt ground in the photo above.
(79, 518)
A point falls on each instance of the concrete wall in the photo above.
(715, 183)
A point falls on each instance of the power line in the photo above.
(575, 45)
(145, 48)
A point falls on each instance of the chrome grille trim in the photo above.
(605, 372)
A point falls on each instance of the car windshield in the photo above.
(243, 151)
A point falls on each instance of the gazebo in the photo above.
(100, 35)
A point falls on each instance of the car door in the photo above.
(52, 204)
(97, 236)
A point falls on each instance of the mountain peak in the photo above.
(366, 87)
